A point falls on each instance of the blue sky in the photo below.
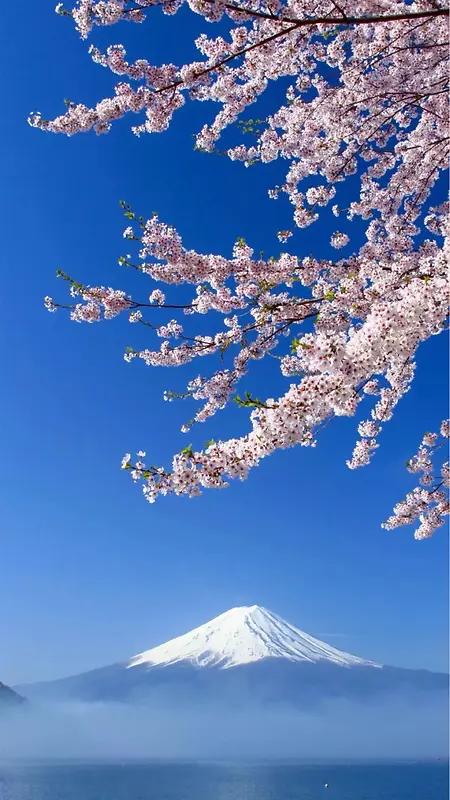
(89, 572)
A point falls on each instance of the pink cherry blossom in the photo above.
(366, 105)
(380, 111)
(369, 318)
(427, 505)
(339, 240)
(157, 297)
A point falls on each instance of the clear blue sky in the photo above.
(89, 572)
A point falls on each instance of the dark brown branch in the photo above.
(342, 20)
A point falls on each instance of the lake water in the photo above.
(176, 781)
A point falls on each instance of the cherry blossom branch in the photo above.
(347, 297)
(367, 97)
(343, 20)
(296, 24)
(324, 20)
(428, 506)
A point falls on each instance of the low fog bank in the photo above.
(341, 730)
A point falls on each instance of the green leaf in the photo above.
(249, 402)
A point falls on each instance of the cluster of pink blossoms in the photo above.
(368, 317)
(368, 98)
(379, 109)
(428, 503)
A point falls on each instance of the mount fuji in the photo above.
(244, 635)
(247, 656)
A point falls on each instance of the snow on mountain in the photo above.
(243, 635)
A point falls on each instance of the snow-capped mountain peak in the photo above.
(243, 635)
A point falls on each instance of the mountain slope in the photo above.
(8, 697)
(245, 657)
(241, 636)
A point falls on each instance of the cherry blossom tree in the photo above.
(365, 95)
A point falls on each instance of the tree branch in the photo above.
(342, 20)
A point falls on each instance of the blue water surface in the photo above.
(176, 781)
